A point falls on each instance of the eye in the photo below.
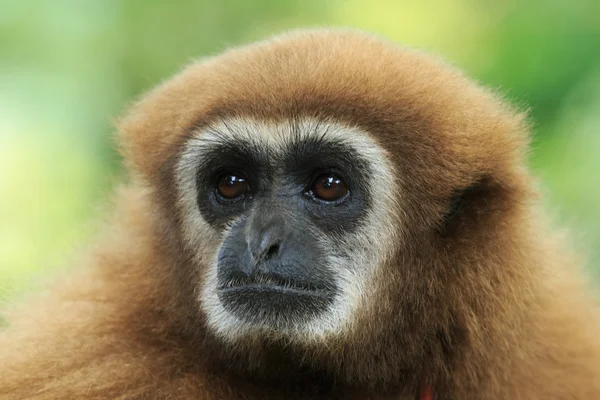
(232, 186)
(328, 187)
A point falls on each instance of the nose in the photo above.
(266, 233)
(266, 245)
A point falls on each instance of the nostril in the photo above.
(266, 244)
(272, 251)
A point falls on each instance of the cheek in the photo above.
(340, 220)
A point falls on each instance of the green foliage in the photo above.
(68, 68)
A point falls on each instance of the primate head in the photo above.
(357, 204)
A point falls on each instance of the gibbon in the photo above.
(322, 215)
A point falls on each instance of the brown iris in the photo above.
(232, 186)
(329, 187)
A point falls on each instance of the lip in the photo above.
(273, 288)
(271, 282)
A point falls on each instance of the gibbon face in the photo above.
(337, 192)
(299, 207)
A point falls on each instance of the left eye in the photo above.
(329, 187)
(232, 186)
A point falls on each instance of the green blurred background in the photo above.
(69, 67)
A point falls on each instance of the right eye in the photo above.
(329, 188)
(232, 186)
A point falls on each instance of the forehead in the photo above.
(414, 106)
(299, 137)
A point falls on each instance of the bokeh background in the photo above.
(69, 67)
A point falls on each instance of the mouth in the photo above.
(267, 282)
(273, 301)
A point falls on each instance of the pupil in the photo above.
(329, 187)
(231, 186)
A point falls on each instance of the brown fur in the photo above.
(489, 308)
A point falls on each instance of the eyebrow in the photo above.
(297, 153)
(231, 155)
(323, 152)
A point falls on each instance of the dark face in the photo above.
(283, 211)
